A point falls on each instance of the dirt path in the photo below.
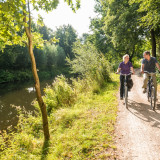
(138, 128)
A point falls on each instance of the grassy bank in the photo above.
(84, 130)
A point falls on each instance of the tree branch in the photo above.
(29, 17)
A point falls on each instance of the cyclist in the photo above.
(149, 64)
(125, 67)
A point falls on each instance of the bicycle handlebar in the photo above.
(124, 74)
(149, 72)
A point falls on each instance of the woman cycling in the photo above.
(125, 67)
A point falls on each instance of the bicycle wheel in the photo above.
(153, 98)
(148, 93)
(126, 96)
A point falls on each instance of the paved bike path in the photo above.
(138, 128)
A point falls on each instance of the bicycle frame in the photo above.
(150, 84)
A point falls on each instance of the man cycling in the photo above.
(149, 64)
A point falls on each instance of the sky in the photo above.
(63, 14)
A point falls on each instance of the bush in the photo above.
(44, 75)
(115, 64)
(89, 63)
(12, 76)
(60, 94)
(6, 76)
(23, 75)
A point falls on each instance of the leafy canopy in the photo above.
(12, 24)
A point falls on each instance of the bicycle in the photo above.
(125, 92)
(151, 92)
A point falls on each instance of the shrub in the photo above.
(11, 76)
(6, 76)
(60, 94)
(89, 64)
(44, 75)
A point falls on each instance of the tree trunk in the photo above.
(36, 78)
(38, 92)
(153, 40)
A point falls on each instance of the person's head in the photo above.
(126, 58)
(146, 54)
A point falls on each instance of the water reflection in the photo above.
(31, 89)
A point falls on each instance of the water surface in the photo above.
(18, 94)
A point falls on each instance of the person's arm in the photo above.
(131, 68)
(118, 70)
(142, 68)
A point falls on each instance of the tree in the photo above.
(46, 32)
(15, 16)
(118, 25)
(89, 63)
(122, 26)
(150, 18)
(98, 38)
(84, 37)
(67, 36)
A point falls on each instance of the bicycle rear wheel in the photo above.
(148, 94)
(153, 98)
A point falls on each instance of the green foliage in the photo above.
(12, 76)
(55, 55)
(136, 62)
(67, 36)
(4, 78)
(98, 38)
(123, 27)
(60, 94)
(15, 63)
(151, 12)
(50, 59)
(89, 63)
(7, 76)
(12, 15)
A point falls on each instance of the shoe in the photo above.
(121, 98)
(144, 90)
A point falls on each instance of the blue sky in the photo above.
(64, 15)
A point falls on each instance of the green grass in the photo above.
(83, 131)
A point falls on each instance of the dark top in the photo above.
(150, 66)
(125, 68)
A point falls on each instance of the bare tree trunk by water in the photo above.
(36, 78)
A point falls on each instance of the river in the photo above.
(18, 94)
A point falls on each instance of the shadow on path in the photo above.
(145, 113)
